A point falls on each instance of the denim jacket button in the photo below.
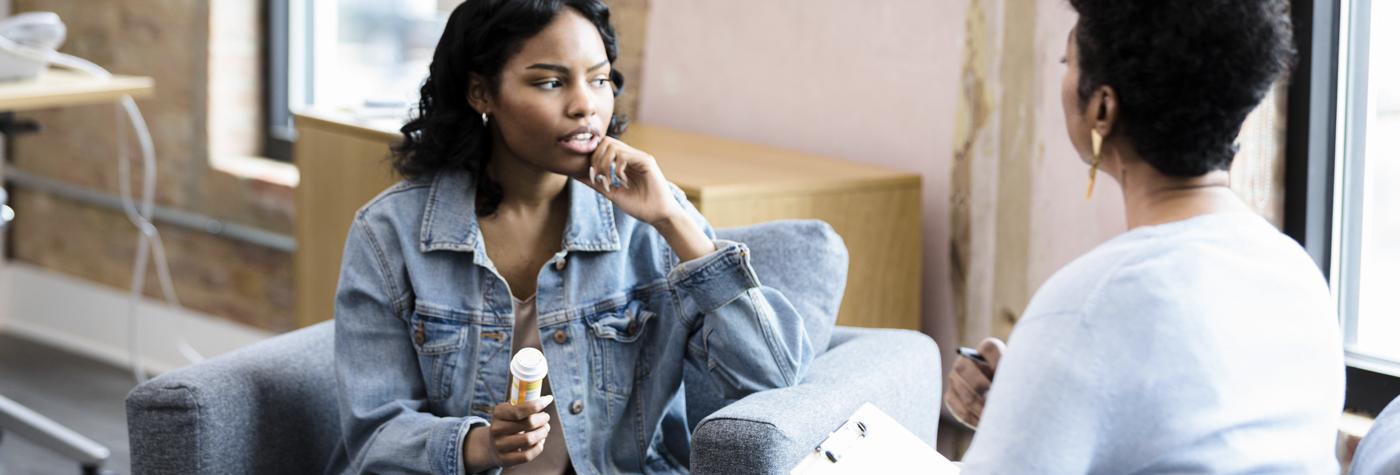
(560, 337)
(576, 408)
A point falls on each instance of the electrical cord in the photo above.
(149, 243)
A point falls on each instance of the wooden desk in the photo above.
(57, 87)
(876, 210)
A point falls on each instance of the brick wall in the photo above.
(169, 40)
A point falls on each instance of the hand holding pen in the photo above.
(970, 379)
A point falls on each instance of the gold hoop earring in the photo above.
(1097, 140)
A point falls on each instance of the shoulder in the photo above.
(1214, 262)
(1191, 262)
(391, 221)
(1177, 290)
(408, 195)
(1068, 289)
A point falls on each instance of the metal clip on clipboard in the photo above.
(844, 436)
(873, 442)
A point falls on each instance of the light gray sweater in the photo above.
(1208, 345)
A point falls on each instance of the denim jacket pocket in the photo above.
(617, 355)
(438, 342)
(491, 381)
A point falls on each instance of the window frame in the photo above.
(1313, 213)
(279, 131)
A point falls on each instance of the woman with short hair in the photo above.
(1202, 340)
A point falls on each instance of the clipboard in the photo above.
(873, 442)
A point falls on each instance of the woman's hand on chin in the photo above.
(631, 179)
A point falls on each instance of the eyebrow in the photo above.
(563, 70)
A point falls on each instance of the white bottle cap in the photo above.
(529, 365)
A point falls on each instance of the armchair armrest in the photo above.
(267, 408)
(898, 371)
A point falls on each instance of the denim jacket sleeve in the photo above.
(383, 401)
(746, 336)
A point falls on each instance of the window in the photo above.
(1366, 233)
(364, 57)
(1369, 229)
(1343, 179)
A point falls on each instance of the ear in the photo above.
(478, 94)
(1102, 110)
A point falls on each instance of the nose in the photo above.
(582, 104)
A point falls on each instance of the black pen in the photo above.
(972, 354)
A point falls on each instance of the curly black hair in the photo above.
(446, 133)
(1186, 73)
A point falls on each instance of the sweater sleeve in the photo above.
(1043, 413)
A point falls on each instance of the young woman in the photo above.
(1200, 341)
(524, 222)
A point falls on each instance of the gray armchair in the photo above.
(1379, 452)
(271, 407)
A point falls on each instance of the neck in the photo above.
(1151, 198)
(526, 188)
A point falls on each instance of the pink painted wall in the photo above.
(1064, 225)
(867, 81)
(878, 81)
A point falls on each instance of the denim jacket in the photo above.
(423, 328)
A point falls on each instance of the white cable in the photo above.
(148, 238)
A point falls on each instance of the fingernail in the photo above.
(592, 173)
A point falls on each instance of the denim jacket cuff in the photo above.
(463, 426)
(712, 281)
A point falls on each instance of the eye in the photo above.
(550, 84)
(601, 82)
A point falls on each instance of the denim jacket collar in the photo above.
(449, 218)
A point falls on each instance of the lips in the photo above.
(582, 141)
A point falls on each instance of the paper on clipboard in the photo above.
(873, 442)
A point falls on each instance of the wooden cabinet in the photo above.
(342, 166)
(876, 210)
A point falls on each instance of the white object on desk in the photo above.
(40, 33)
(873, 442)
